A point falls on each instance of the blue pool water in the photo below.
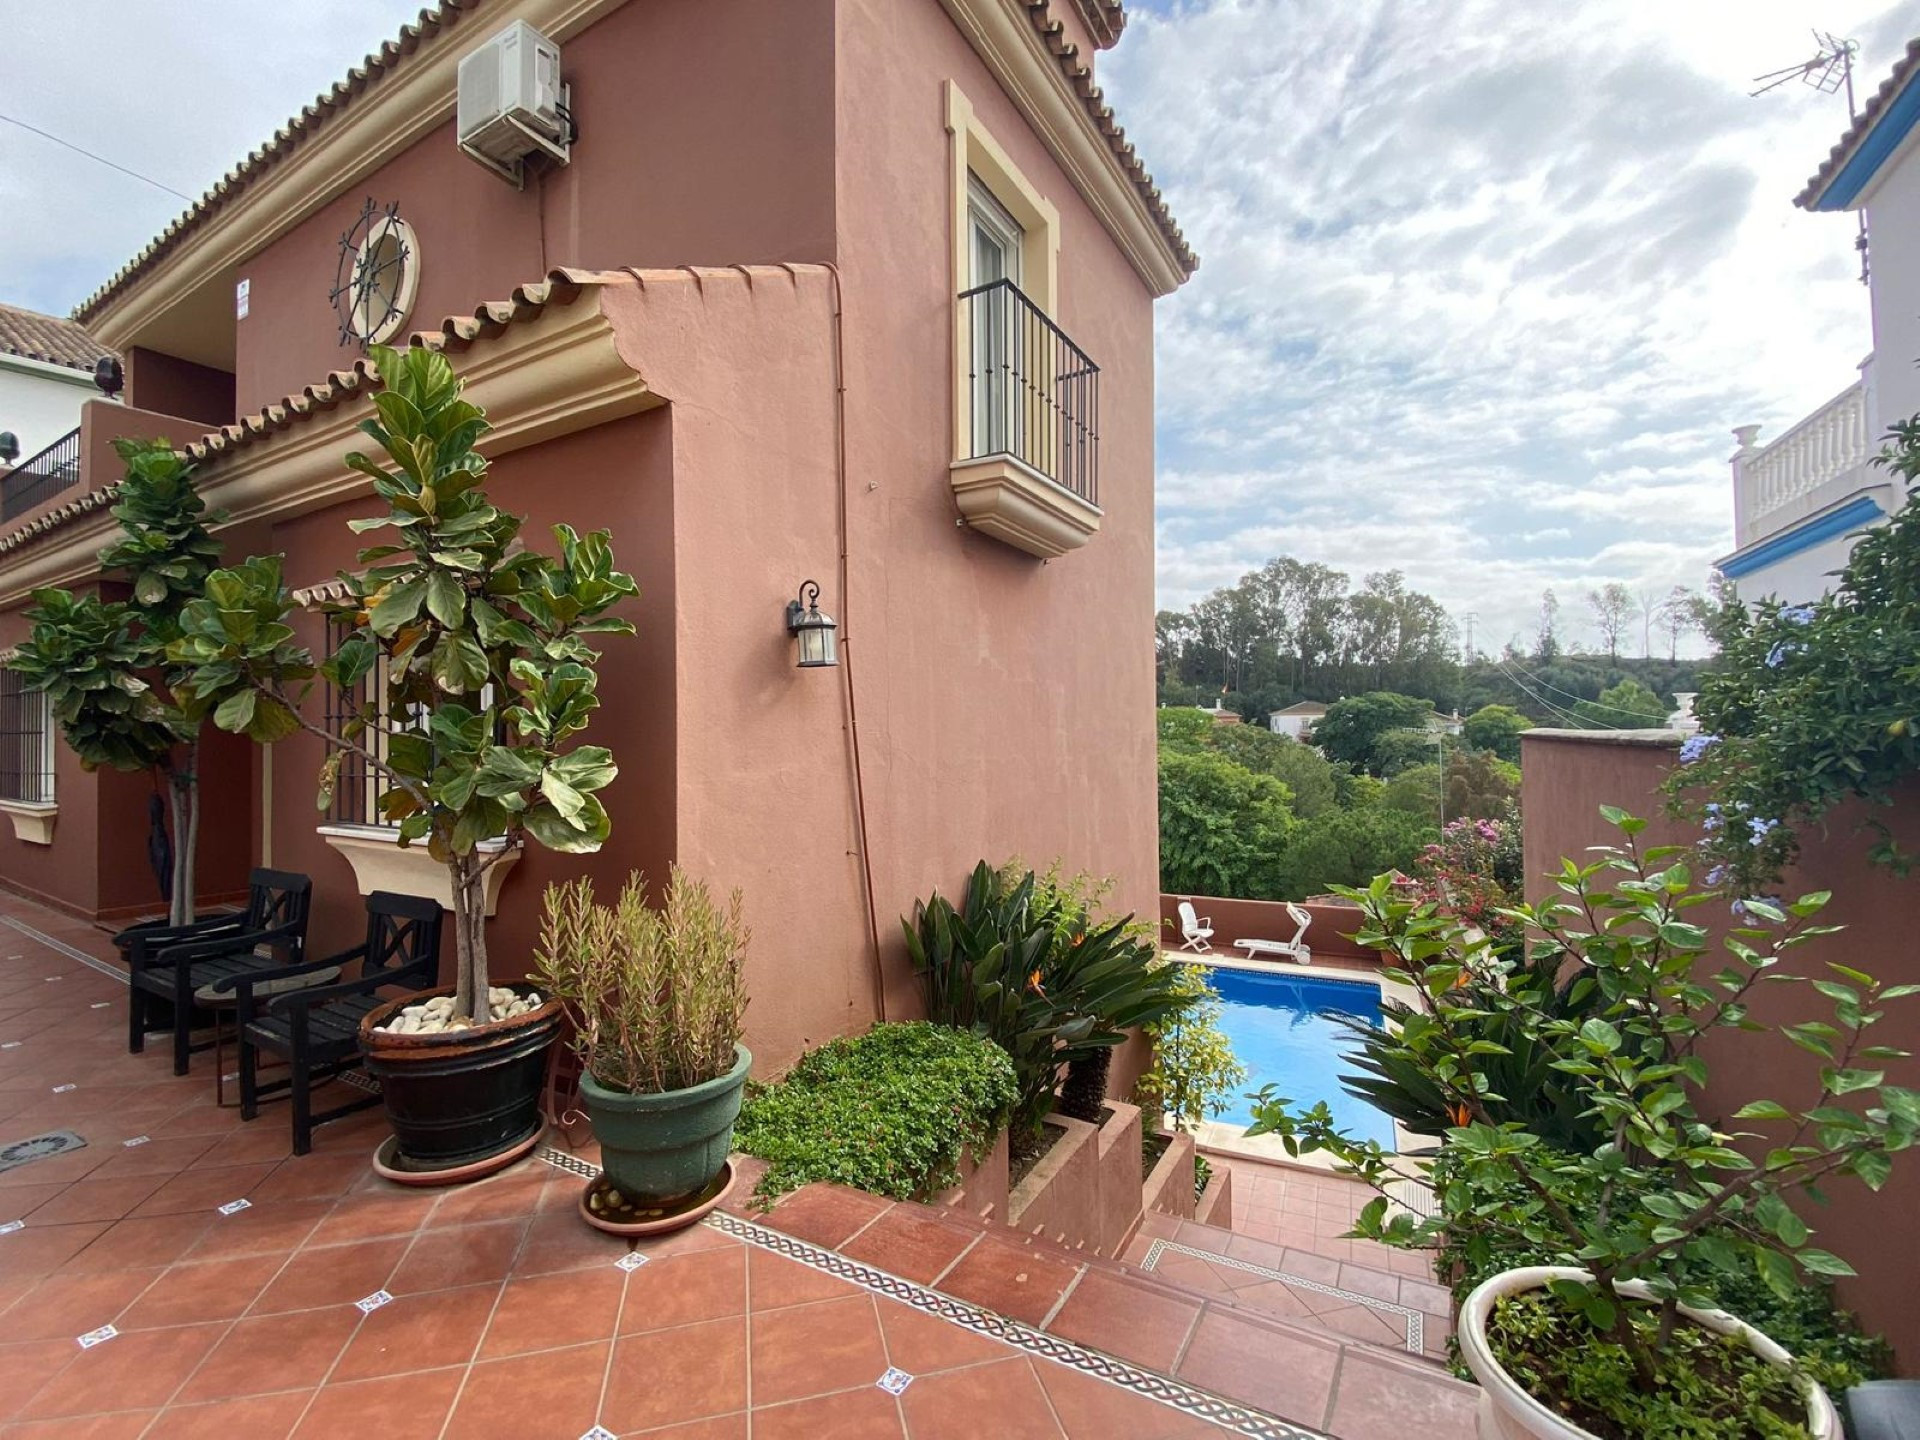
(1276, 1027)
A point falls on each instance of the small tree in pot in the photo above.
(479, 655)
(657, 998)
(1646, 1220)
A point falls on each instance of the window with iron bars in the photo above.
(26, 742)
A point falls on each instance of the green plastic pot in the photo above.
(660, 1148)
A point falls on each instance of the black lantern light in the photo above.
(811, 629)
(108, 375)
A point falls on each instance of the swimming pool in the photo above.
(1276, 1027)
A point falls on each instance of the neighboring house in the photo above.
(46, 374)
(1220, 715)
(1296, 720)
(853, 291)
(1800, 499)
(1438, 724)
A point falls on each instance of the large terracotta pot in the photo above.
(656, 1149)
(460, 1098)
(1508, 1412)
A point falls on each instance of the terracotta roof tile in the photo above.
(35, 336)
(59, 515)
(1105, 20)
(1869, 116)
(1080, 76)
(362, 77)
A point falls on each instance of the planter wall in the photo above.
(982, 1190)
(1086, 1189)
(1215, 1205)
(1169, 1188)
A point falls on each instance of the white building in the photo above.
(46, 374)
(1799, 499)
(1296, 720)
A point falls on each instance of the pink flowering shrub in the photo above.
(1475, 870)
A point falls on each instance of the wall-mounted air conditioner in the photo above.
(512, 103)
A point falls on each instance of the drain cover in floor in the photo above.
(39, 1147)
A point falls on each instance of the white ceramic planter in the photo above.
(1508, 1413)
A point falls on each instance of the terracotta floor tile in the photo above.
(1272, 1297)
(337, 1275)
(124, 1425)
(267, 1353)
(776, 1281)
(1089, 1408)
(1365, 1280)
(419, 1332)
(542, 1312)
(259, 1417)
(19, 1201)
(1310, 1267)
(922, 1344)
(398, 1407)
(553, 1393)
(372, 1217)
(261, 1230)
(908, 1242)
(667, 1377)
(717, 1427)
(1003, 1400)
(1281, 1373)
(471, 1255)
(1126, 1320)
(257, 1141)
(1378, 1400)
(1012, 1280)
(563, 1241)
(868, 1414)
(211, 1290)
(515, 1195)
(683, 1289)
(61, 1169)
(812, 1349)
(28, 1366)
(1361, 1323)
(1191, 1274)
(201, 1188)
(156, 1157)
(70, 1305)
(824, 1214)
(314, 1177)
(138, 1371)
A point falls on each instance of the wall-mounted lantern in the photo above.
(812, 630)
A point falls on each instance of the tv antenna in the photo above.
(1829, 71)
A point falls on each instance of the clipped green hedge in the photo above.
(889, 1112)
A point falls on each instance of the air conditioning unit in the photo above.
(512, 104)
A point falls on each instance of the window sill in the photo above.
(31, 823)
(379, 863)
(1008, 499)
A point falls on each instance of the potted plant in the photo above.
(656, 998)
(1618, 1334)
(483, 682)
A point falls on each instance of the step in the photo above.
(1180, 1316)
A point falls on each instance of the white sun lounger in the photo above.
(1294, 949)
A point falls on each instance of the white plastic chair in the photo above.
(1198, 932)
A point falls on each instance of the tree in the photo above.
(1348, 847)
(1680, 614)
(1548, 644)
(1612, 606)
(1479, 786)
(1308, 776)
(1399, 750)
(1626, 706)
(1221, 827)
(488, 673)
(103, 664)
(1351, 728)
(1496, 728)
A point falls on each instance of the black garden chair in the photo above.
(172, 962)
(316, 1031)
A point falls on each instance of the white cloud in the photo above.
(1484, 287)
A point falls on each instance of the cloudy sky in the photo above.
(1484, 284)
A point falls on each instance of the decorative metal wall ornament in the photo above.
(377, 275)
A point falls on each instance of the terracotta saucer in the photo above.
(706, 1202)
(387, 1163)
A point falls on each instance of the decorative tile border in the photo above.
(112, 972)
(1413, 1320)
(1170, 1392)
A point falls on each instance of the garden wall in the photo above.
(1568, 775)
(1328, 937)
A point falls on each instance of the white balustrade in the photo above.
(1823, 447)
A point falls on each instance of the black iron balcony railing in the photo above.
(40, 477)
(1031, 392)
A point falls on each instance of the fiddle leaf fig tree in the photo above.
(478, 649)
(103, 663)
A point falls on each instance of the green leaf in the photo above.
(235, 713)
(446, 599)
(397, 605)
(1822, 1263)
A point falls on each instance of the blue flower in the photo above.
(1797, 614)
(1778, 654)
(1716, 877)
(1695, 746)
(1713, 821)
(1740, 907)
(1758, 829)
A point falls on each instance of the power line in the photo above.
(1576, 721)
(101, 159)
(1618, 710)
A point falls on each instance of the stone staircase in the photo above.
(1230, 1329)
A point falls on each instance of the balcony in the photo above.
(39, 478)
(1823, 459)
(1028, 442)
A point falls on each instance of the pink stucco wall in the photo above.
(1566, 778)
